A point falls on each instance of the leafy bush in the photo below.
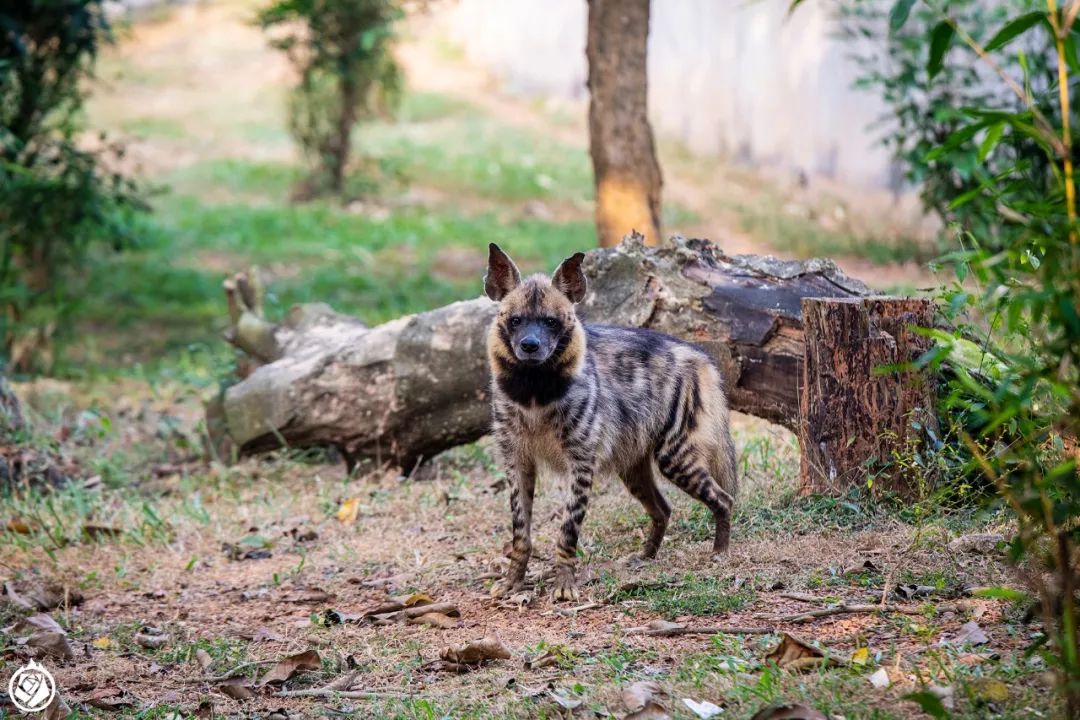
(982, 100)
(57, 198)
(341, 49)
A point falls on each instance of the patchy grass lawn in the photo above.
(174, 526)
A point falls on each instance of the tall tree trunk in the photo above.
(343, 138)
(625, 167)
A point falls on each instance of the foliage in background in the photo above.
(57, 198)
(981, 94)
(341, 49)
(926, 101)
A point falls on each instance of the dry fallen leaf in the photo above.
(53, 644)
(204, 660)
(56, 710)
(860, 656)
(349, 510)
(795, 654)
(880, 679)
(34, 623)
(417, 599)
(307, 596)
(16, 525)
(703, 709)
(285, 669)
(102, 643)
(866, 564)
(436, 620)
(790, 711)
(108, 698)
(151, 637)
(642, 702)
(14, 598)
(969, 634)
(476, 652)
(236, 690)
(266, 635)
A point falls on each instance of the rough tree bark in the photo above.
(625, 167)
(416, 386)
(854, 416)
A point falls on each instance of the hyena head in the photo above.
(536, 323)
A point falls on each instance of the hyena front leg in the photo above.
(566, 550)
(521, 474)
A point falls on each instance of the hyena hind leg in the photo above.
(697, 482)
(641, 482)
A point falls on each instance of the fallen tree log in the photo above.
(411, 388)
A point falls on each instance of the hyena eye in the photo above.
(551, 322)
(514, 322)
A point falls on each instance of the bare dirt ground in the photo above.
(250, 563)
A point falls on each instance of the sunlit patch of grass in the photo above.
(474, 155)
(806, 236)
(149, 127)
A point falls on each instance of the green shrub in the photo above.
(57, 198)
(981, 95)
(341, 49)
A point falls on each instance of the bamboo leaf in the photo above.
(940, 40)
(899, 14)
(1013, 29)
(993, 136)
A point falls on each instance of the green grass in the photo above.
(691, 595)
(806, 237)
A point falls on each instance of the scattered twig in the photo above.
(803, 597)
(571, 612)
(231, 674)
(844, 608)
(348, 694)
(675, 630)
(888, 587)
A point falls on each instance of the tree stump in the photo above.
(861, 412)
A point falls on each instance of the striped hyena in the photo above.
(587, 399)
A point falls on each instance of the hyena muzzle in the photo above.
(583, 400)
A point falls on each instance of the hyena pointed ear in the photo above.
(569, 279)
(502, 274)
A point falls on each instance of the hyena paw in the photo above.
(565, 588)
(504, 587)
(638, 561)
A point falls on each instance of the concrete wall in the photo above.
(734, 78)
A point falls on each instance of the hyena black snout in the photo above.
(534, 342)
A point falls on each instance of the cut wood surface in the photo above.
(856, 415)
(418, 385)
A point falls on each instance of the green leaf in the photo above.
(993, 136)
(940, 39)
(1000, 593)
(899, 14)
(930, 703)
(794, 6)
(1013, 29)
